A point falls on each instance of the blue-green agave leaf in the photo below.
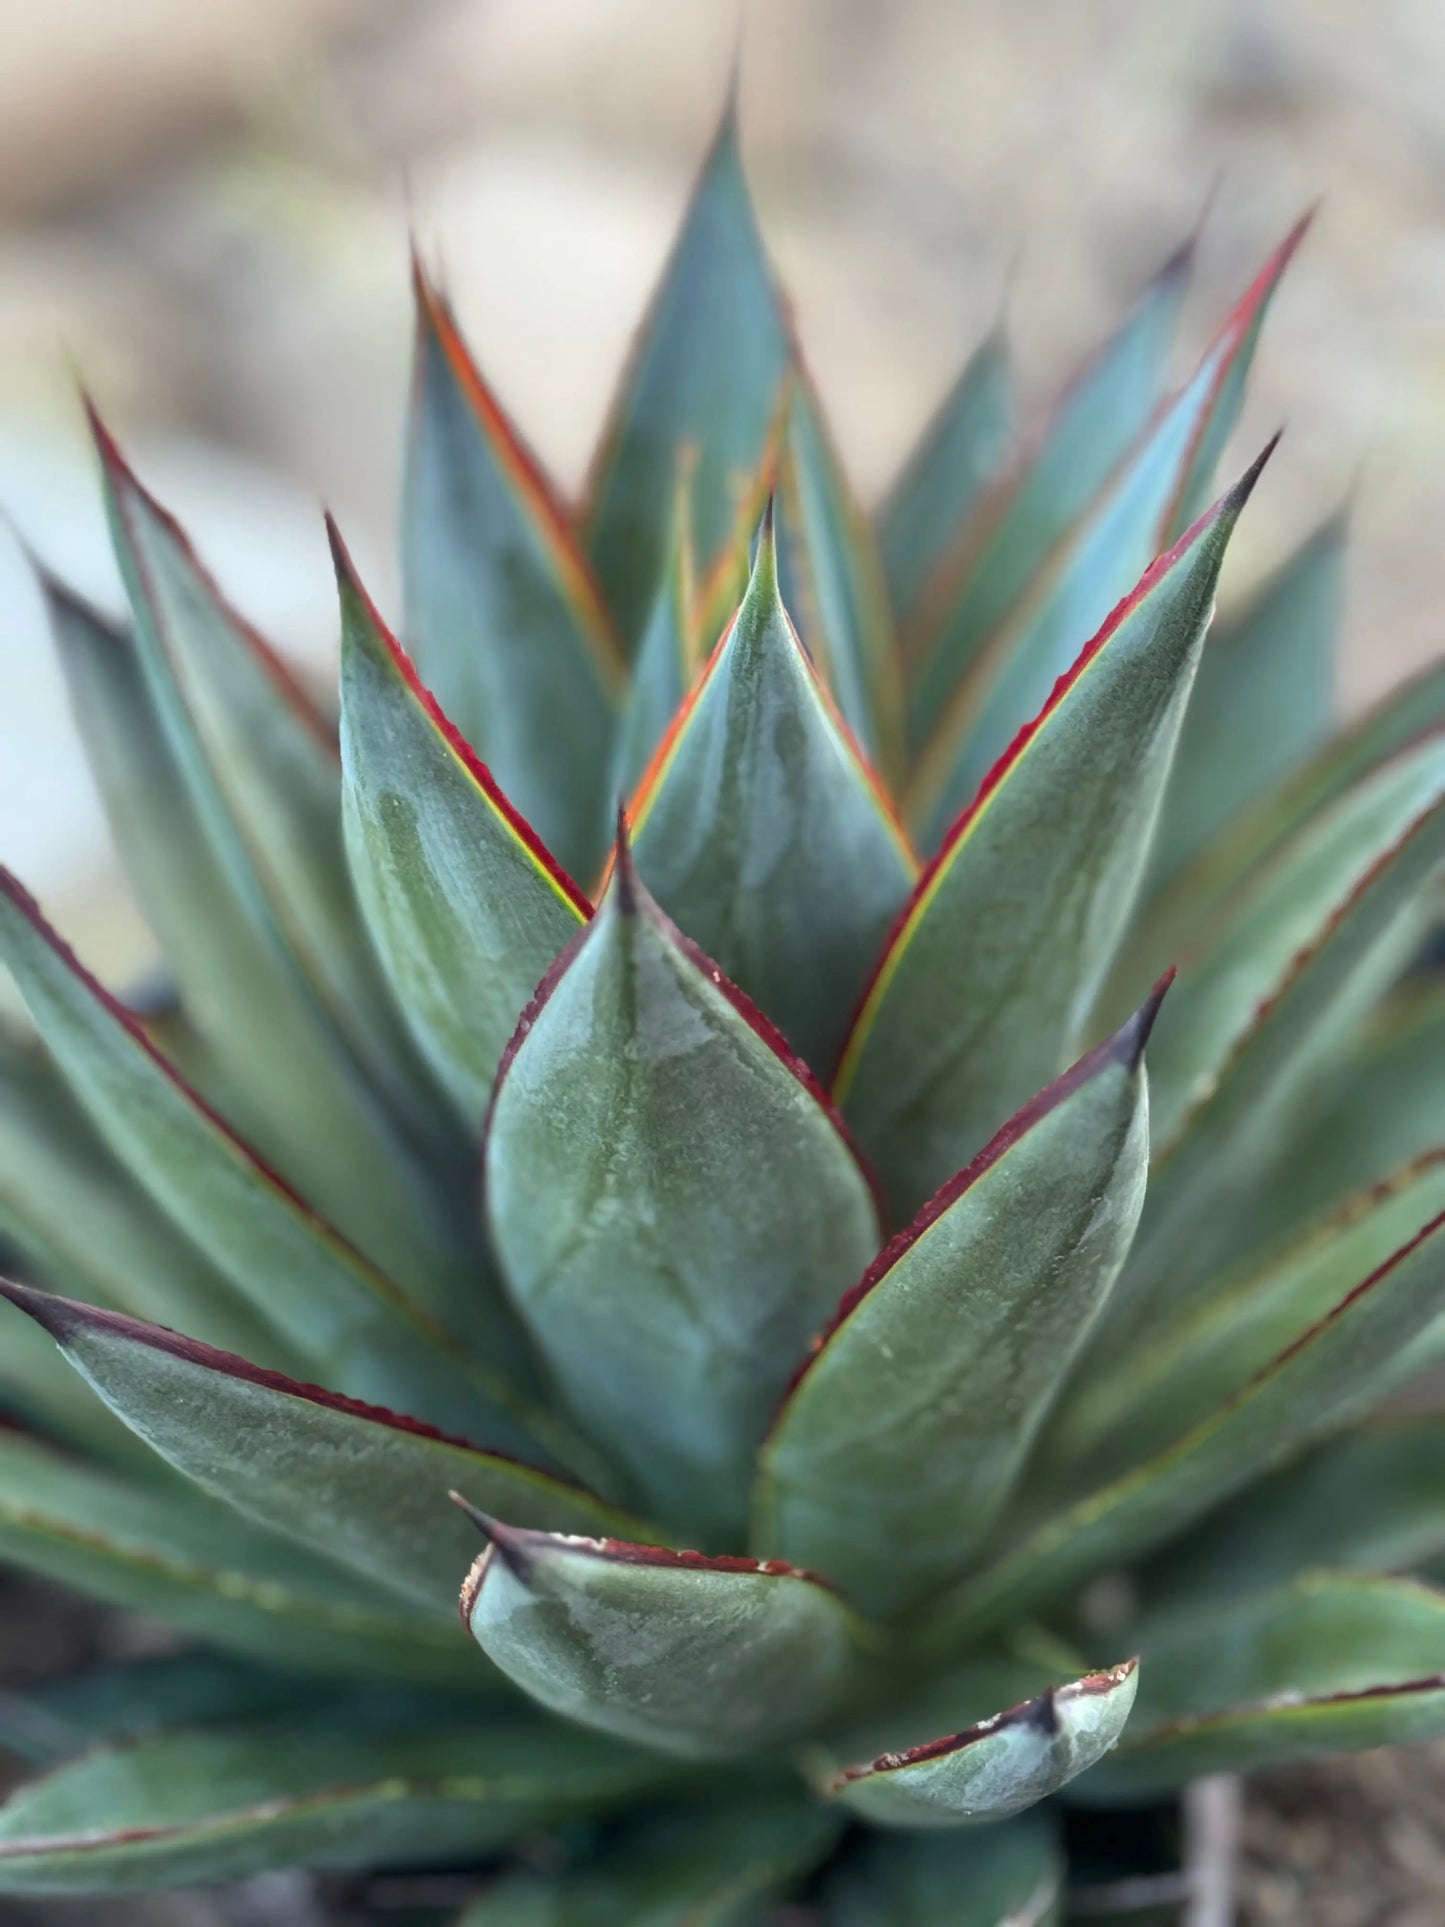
(1002, 545)
(963, 449)
(903, 1435)
(40, 1394)
(502, 613)
(669, 656)
(986, 983)
(1139, 512)
(673, 1204)
(344, 1793)
(465, 904)
(1333, 1662)
(1010, 1875)
(998, 1767)
(694, 1656)
(361, 1484)
(704, 375)
(764, 834)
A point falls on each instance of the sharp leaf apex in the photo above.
(1133, 1035)
(626, 884)
(505, 1541)
(58, 1316)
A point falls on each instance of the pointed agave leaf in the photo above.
(1262, 700)
(1137, 513)
(669, 654)
(184, 1808)
(178, 1557)
(673, 1203)
(1284, 911)
(1336, 1661)
(708, 1867)
(695, 1656)
(704, 374)
(990, 561)
(502, 614)
(904, 1433)
(763, 832)
(1139, 1396)
(364, 1486)
(324, 1299)
(832, 580)
(999, 1767)
(1372, 1500)
(39, 1393)
(961, 451)
(1286, 1405)
(986, 981)
(466, 906)
(1010, 1875)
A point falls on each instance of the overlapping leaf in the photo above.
(651, 1132)
(695, 1656)
(762, 831)
(903, 1436)
(669, 656)
(1009, 1875)
(502, 613)
(989, 976)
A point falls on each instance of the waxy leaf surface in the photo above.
(766, 837)
(989, 976)
(502, 614)
(902, 1438)
(674, 1208)
(1009, 1875)
(465, 905)
(669, 656)
(694, 1656)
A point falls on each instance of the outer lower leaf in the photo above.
(363, 1485)
(1007, 1876)
(988, 978)
(1262, 698)
(180, 1558)
(466, 906)
(260, 764)
(704, 374)
(961, 451)
(267, 1050)
(674, 1206)
(1284, 911)
(1334, 1661)
(669, 654)
(1140, 1396)
(502, 614)
(1286, 1405)
(1373, 1499)
(298, 1274)
(1003, 545)
(1137, 513)
(765, 835)
(708, 1868)
(905, 1431)
(695, 1656)
(833, 581)
(999, 1767)
(216, 1806)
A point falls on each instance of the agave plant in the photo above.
(881, 1407)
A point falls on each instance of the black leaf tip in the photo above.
(57, 1316)
(505, 1541)
(1130, 1039)
(627, 891)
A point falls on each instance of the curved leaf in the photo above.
(502, 614)
(961, 451)
(465, 905)
(704, 374)
(1334, 1661)
(1140, 510)
(363, 1485)
(696, 1656)
(990, 973)
(216, 1806)
(763, 832)
(1283, 1407)
(1011, 1875)
(1001, 548)
(907, 1427)
(999, 1767)
(298, 1274)
(673, 1204)
(180, 1558)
